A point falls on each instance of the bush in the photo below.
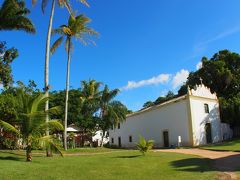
(9, 143)
(143, 145)
(113, 146)
(107, 145)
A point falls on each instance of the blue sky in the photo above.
(145, 48)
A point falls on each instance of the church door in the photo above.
(208, 130)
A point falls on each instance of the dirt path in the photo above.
(225, 162)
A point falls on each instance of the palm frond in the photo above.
(55, 148)
(82, 40)
(68, 7)
(42, 98)
(55, 125)
(44, 4)
(85, 3)
(143, 145)
(48, 141)
(57, 31)
(56, 44)
(13, 16)
(25, 24)
(56, 110)
(91, 31)
(8, 127)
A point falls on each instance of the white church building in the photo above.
(189, 120)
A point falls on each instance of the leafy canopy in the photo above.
(7, 56)
(221, 74)
(13, 16)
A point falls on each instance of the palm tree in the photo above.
(13, 16)
(61, 3)
(111, 112)
(89, 105)
(76, 28)
(90, 90)
(33, 125)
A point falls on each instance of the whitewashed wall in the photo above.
(198, 98)
(184, 116)
(151, 124)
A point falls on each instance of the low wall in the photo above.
(227, 132)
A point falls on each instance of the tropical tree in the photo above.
(74, 108)
(10, 106)
(143, 145)
(221, 73)
(148, 104)
(13, 16)
(61, 3)
(170, 95)
(32, 123)
(89, 99)
(76, 28)
(90, 91)
(111, 112)
(7, 56)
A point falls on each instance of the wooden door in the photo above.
(208, 130)
(165, 138)
(119, 142)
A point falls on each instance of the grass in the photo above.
(90, 150)
(82, 150)
(233, 145)
(123, 164)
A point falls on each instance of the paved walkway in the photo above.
(225, 162)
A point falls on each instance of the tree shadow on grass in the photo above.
(127, 157)
(193, 164)
(20, 153)
(10, 158)
(229, 163)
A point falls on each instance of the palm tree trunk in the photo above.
(46, 73)
(67, 90)
(101, 115)
(103, 135)
(29, 153)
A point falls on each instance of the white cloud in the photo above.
(180, 78)
(221, 35)
(199, 65)
(1, 86)
(160, 79)
(200, 47)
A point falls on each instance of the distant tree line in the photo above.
(91, 107)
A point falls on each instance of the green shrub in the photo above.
(71, 140)
(143, 145)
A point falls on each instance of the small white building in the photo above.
(189, 120)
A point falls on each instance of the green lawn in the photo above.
(90, 150)
(125, 164)
(225, 146)
(82, 150)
